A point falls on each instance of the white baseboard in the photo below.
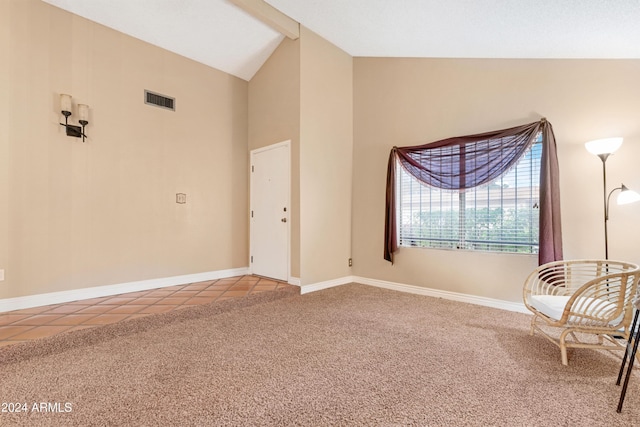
(10, 304)
(294, 281)
(437, 293)
(305, 289)
(418, 290)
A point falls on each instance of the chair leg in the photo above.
(563, 347)
(636, 339)
(626, 351)
(533, 324)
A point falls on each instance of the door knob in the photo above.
(284, 220)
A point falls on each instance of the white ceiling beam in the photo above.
(270, 16)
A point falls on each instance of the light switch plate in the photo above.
(181, 198)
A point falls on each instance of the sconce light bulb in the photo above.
(83, 114)
(65, 104)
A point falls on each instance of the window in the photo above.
(496, 172)
(502, 216)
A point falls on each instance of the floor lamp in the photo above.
(603, 148)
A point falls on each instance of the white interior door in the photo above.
(269, 214)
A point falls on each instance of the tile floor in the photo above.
(38, 322)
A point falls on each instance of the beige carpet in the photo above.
(352, 355)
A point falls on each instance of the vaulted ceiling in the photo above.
(222, 35)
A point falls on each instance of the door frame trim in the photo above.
(287, 144)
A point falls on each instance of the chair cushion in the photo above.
(553, 306)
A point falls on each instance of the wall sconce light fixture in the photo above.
(83, 117)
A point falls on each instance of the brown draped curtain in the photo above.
(469, 161)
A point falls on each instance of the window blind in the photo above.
(501, 216)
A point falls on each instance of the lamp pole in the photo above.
(603, 157)
(603, 148)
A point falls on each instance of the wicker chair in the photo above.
(582, 303)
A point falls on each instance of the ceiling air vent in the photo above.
(158, 100)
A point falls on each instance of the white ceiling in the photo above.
(214, 32)
(223, 36)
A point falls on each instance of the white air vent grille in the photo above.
(158, 100)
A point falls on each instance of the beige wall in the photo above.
(4, 137)
(326, 135)
(274, 116)
(78, 215)
(412, 101)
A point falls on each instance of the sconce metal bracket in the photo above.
(72, 130)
